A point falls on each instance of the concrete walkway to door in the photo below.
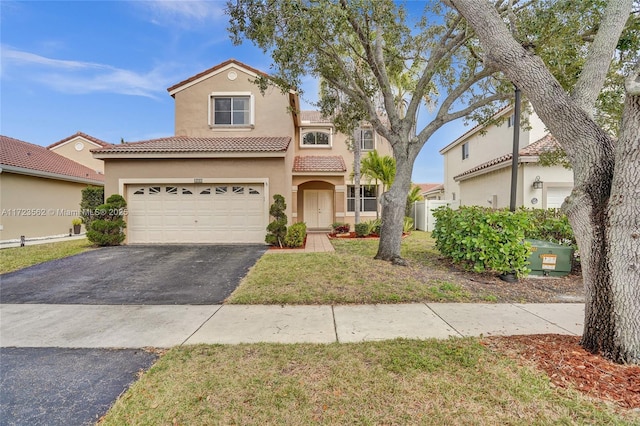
(317, 242)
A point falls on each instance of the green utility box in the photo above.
(549, 259)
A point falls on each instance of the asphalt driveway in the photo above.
(135, 275)
(54, 386)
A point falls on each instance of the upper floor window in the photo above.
(316, 138)
(366, 138)
(231, 109)
(511, 120)
(465, 150)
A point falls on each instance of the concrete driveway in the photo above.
(135, 275)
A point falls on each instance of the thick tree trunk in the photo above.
(623, 235)
(393, 207)
(604, 231)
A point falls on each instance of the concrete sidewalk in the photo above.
(127, 326)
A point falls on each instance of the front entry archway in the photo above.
(318, 208)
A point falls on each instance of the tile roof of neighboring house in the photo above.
(545, 144)
(216, 68)
(319, 163)
(175, 144)
(426, 187)
(313, 117)
(82, 135)
(25, 155)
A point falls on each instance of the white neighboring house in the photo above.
(477, 166)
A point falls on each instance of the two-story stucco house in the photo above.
(477, 166)
(234, 148)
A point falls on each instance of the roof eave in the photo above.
(197, 154)
(48, 175)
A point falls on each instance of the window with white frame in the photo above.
(231, 109)
(465, 150)
(366, 137)
(316, 138)
(368, 198)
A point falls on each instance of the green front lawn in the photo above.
(350, 275)
(14, 258)
(432, 382)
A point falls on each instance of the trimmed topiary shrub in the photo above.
(92, 197)
(362, 229)
(296, 235)
(108, 223)
(277, 230)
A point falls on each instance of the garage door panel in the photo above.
(207, 213)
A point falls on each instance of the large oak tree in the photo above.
(360, 49)
(604, 207)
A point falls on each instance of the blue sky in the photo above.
(103, 67)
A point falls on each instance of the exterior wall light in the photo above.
(537, 184)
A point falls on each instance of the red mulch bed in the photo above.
(568, 364)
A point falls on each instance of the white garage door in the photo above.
(556, 196)
(196, 213)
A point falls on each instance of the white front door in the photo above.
(318, 208)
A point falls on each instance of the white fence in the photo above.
(423, 212)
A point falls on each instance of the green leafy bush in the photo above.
(296, 235)
(277, 230)
(92, 197)
(107, 222)
(407, 225)
(483, 239)
(340, 227)
(362, 229)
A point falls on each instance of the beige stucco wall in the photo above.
(479, 190)
(84, 156)
(51, 205)
(497, 140)
(272, 117)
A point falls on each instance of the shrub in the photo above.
(277, 230)
(92, 197)
(374, 226)
(107, 222)
(483, 239)
(340, 227)
(76, 221)
(362, 229)
(407, 225)
(296, 235)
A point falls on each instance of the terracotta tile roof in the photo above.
(175, 144)
(426, 187)
(25, 155)
(319, 163)
(545, 144)
(313, 117)
(216, 68)
(82, 135)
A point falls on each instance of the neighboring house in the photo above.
(78, 148)
(431, 191)
(477, 166)
(40, 191)
(233, 149)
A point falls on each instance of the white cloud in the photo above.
(78, 77)
(184, 14)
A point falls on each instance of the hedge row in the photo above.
(483, 239)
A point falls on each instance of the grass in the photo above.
(12, 259)
(350, 275)
(456, 381)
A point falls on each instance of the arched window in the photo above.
(315, 138)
